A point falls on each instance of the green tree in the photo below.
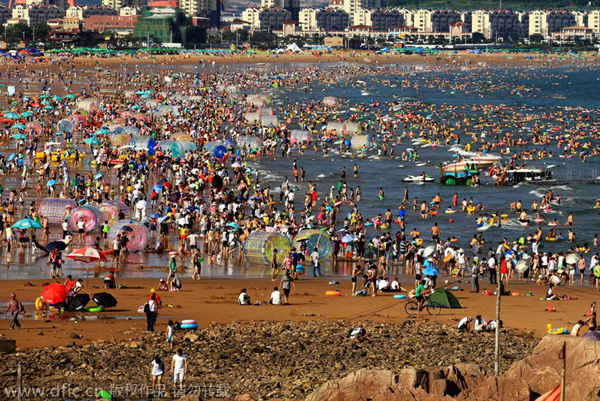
(42, 31)
(536, 38)
(19, 31)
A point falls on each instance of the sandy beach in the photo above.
(215, 300)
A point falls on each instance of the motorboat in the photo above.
(419, 179)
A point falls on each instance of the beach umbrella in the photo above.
(301, 238)
(11, 116)
(26, 114)
(429, 250)
(57, 97)
(431, 271)
(27, 223)
(19, 126)
(105, 299)
(71, 96)
(572, 258)
(233, 226)
(98, 176)
(54, 293)
(78, 302)
(58, 245)
(236, 165)
(87, 255)
(155, 215)
(92, 141)
(102, 131)
(19, 136)
(162, 219)
(347, 238)
(44, 96)
(51, 183)
(48, 107)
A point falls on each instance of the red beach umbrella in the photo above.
(87, 255)
(54, 293)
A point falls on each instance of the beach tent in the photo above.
(445, 299)
(293, 48)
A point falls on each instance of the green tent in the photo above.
(445, 299)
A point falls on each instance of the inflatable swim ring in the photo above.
(418, 241)
(39, 303)
(400, 296)
(189, 326)
(454, 240)
(450, 211)
(368, 223)
(335, 293)
(550, 239)
(383, 226)
(94, 309)
(188, 321)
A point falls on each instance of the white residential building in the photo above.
(308, 19)
(252, 15)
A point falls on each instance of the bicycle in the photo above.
(412, 307)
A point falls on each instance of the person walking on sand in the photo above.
(316, 262)
(286, 285)
(15, 307)
(274, 265)
(157, 372)
(179, 366)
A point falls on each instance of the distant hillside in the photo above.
(489, 4)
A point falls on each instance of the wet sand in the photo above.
(215, 300)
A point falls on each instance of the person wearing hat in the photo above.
(465, 324)
(15, 307)
(109, 279)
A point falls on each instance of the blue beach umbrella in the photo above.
(27, 223)
(431, 271)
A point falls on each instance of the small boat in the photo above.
(418, 179)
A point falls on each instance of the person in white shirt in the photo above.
(275, 297)
(178, 368)
(316, 262)
(158, 370)
(492, 325)
(243, 298)
(384, 285)
(465, 324)
(480, 324)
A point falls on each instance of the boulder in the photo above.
(540, 372)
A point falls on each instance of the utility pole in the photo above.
(563, 356)
(497, 334)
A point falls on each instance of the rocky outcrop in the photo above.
(525, 380)
(539, 373)
(439, 383)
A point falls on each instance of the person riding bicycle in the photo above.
(420, 291)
